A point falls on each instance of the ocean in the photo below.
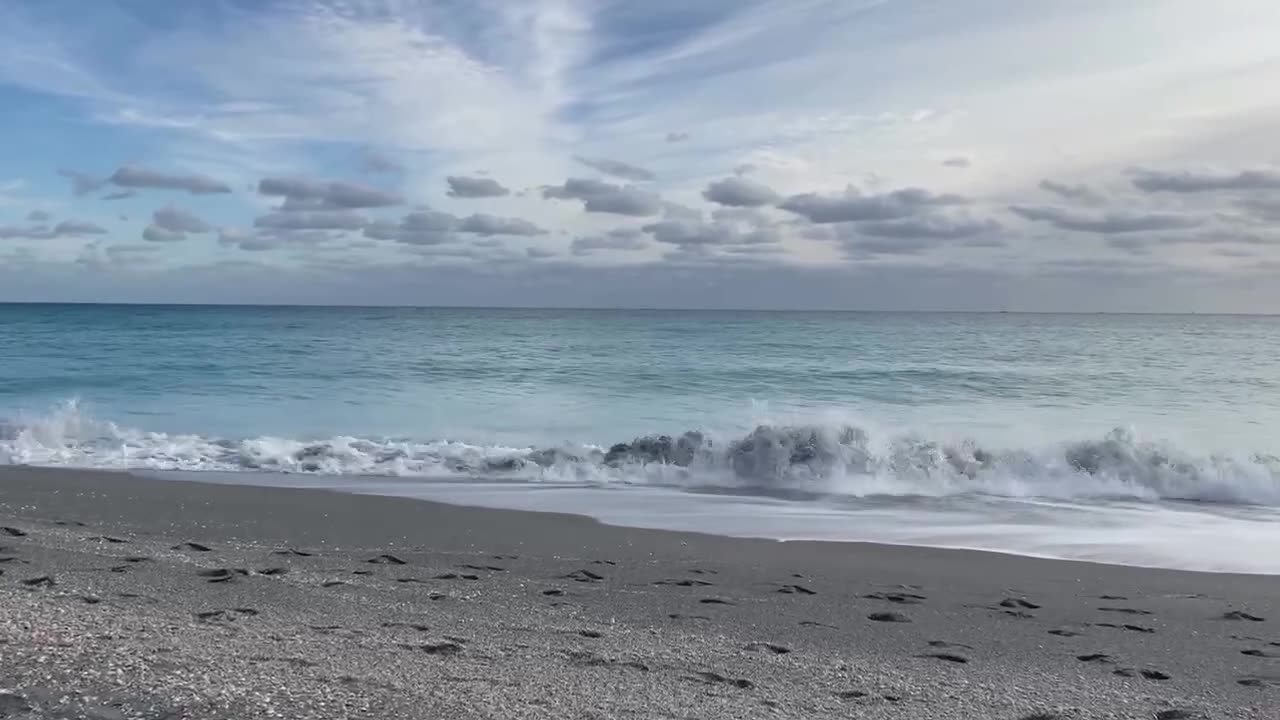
(1146, 440)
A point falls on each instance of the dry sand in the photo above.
(128, 597)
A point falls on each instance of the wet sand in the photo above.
(128, 597)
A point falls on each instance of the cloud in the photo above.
(424, 227)
(534, 253)
(305, 194)
(140, 178)
(740, 192)
(623, 239)
(675, 137)
(958, 161)
(178, 220)
(930, 228)
(1070, 192)
(81, 184)
(1194, 182)
(119, 195)
(473, 187)
(602, 197)
(852, 206)
(312, 220)
(376, 162)
(617, 168)
(690, 233)
(38, 216)
(1105, 222)
(482, 224)
(157, 234)
(64, 229)
(1266, 209)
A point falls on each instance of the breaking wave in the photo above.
(826, 459)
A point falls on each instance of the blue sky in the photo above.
(947, 154)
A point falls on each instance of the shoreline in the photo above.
(530, 614)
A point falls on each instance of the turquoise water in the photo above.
(795, 407)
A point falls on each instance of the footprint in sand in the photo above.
(1095, 658)
(715, 678)
(949, 657)
(491, 568)
(764, 647)
(1064, 633)
(107, 539)
(1241, 615)
(440, 648)
(42, 581)
(385, 560)
(1260, 653)
(897, 598)
(793, 589)
(1147, 673)
(13, 532)
(292, 552)
(1125, 611)
(226, 615)
(192, 546)
(716, 601)
(583, 576)
(889, 617)
(1017, 602)
(684, 582)
(1259, 681)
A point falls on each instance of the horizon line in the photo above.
(869, 311)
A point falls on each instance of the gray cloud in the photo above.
(852, 206)
(603, 197)
(1193, 182)
(178, 220)
(676, 211)
(887, 246)
(740, 192)
(958, 161)
(157, 234)
(482, 224)
(1267, 209)
(82, 184)
(304, 194)
(1070, 192)
(473, 187)
(38, 216)
(375, 161)
(119, 195)
(1105, 222)
(424, 227)
(931, 227)
(312, 220)
(675, 137)
(1129, 244)
(77, 228)
(616, 168)
(623, 239)
(689, 233)
(534, 253)
(140, 178)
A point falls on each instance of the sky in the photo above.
(1059, 155)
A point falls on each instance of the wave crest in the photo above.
(825, 459)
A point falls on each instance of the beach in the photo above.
(139, 597)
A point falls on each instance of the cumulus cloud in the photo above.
(141, 178)
(474, 187)
(425, 227)
(482, 224)
(853, 206)
(740, 192)
(675, 137)
(312, 220)
(622, 239)
(177, 220)
(306, 194)
(1070, 192)
(1193, 182)
(931, 228)
(375, 161)
(617, 168)
(958, 161)
(38, 216)
(1105, 222)
(64, 229)
(81, 184)
(602, 197)
(156, 234)
(690, 233)
(534, 253)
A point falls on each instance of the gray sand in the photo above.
(477, 613)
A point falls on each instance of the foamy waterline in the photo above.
(805, 460)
